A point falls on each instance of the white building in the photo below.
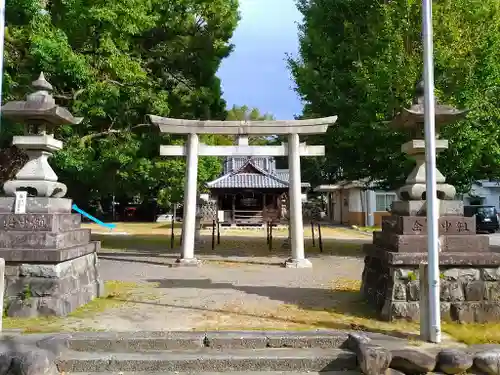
(355, 203)
(484, 192)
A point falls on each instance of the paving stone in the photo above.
(412, 361)
(17, 358)
(453, 361)
(372, 359)
(34, 362)
(488, 361)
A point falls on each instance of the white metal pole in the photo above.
(430, 167)
(2, 36)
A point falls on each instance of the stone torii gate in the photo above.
(294, 150)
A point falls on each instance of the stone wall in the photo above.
(51, 289)
(469, 293)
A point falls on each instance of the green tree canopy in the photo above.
(360, 60)
(245, 113)
(113, 62)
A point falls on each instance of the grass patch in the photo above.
(368, 229)
(159, 245)
(117, 293)
(474, 333)
(137, 228)
(165, 229)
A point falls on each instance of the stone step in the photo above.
(126, 342)
(349, 372)
(208, 359)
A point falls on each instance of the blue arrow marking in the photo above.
(95, 220)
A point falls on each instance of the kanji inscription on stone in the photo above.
(445, 225)
(462, 227)
(417, 226)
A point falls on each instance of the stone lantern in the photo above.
(40, 114)
(412, 120)
(391, 280)
(50, 262)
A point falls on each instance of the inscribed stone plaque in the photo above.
(39, 222)
(418, 225)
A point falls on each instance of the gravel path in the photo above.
(219, 294)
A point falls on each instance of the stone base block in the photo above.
(417, 243)
(48, 255)
(298, 263)
(189, 262)
(40, 222)
(484, 259)
(419, 208)
(409, 225)
(33, 290)
(38, 205)
(43, 240)
(469, 287)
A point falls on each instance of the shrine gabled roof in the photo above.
(260, 179)
(248, 181)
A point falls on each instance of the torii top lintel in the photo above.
(266, 127)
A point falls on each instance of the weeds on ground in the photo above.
(344, 309)
(117, 293)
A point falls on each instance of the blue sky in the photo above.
(255, 74)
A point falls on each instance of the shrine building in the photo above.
(250, 190)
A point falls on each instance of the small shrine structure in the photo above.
(251, 189)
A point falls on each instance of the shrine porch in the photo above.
(248, 207)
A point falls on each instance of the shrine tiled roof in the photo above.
(248, 181)
(258, 178)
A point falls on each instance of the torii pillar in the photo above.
(294, 150)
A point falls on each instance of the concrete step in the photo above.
(209, 359)
(132, 342)
(225, 373)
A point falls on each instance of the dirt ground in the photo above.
(220, 295)
(233, 287)
(240, 284)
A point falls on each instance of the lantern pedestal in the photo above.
(50, 262)
(469, 270)
(51, 265)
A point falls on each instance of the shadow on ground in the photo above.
(346, 307)
(136, 247)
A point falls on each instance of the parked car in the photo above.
(486, 217)
(164, 218)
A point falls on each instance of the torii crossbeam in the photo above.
(294, 150)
